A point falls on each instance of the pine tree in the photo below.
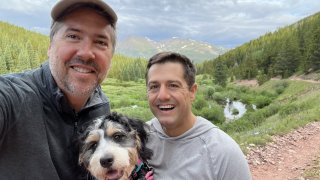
(314, 51)
(220, 74)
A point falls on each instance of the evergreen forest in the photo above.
(294, 49)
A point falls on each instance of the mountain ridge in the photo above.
(144, 47)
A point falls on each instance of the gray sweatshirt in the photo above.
(204, 152)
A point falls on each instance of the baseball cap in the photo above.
(60, 8)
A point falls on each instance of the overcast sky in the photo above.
(227, 23)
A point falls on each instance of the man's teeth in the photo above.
(166, 107)
(81, 70)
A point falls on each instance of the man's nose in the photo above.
(86, 51)
(163, 93)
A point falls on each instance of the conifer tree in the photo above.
(314, 50)
(220, 74)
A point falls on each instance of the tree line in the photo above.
(289, 50)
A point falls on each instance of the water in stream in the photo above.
(232, 107)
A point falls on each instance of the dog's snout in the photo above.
(107, 160)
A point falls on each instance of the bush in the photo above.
(247, 98)
(262, 78)
(200, 103)
(281, 86)
(233, 95)
(219, 98)
(210, 92)
(235, 111)
(262, 101)
(213, 114)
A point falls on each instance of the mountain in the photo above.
(145, 48)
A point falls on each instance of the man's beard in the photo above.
(79, 91)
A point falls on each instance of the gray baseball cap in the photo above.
(60, 8)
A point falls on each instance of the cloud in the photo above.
(26, 6)
(227, 23)
(30, 14)
(212, 21)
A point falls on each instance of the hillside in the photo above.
(145, 48)
(21, 49)
(289, 50)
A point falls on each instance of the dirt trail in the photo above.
(287, 156)
(302, 79)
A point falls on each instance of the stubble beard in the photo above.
(75, 87)
(77, 90)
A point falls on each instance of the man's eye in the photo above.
(102, 43)
(152, 87)
(72, 36)
(173, 86)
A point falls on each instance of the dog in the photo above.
(113, 147)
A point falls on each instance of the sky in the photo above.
(226, 23)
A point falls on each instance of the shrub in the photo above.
(262, 101)
(210, 92)
(235, 111)
(213, 114)
(262, 78)
(200, 103)
(281, 86)
(219, 98)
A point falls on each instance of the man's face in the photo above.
(169, 97)
(80, 52)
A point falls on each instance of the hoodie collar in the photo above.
(200, 127)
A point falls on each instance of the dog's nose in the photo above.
(107, 161)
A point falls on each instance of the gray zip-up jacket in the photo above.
(38, 127)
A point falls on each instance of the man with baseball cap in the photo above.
(43, 110)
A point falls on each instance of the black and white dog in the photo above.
(113, 147)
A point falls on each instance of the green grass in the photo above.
(128, 97)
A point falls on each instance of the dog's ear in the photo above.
(142, 131)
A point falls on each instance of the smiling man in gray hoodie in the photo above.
(186, 146)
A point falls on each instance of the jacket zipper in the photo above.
(75, 125)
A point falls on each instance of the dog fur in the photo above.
(111, 146)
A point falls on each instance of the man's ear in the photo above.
(193, 91)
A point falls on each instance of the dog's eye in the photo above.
(118, 137)
(93, 145)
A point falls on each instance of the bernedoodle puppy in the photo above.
(113, 147)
